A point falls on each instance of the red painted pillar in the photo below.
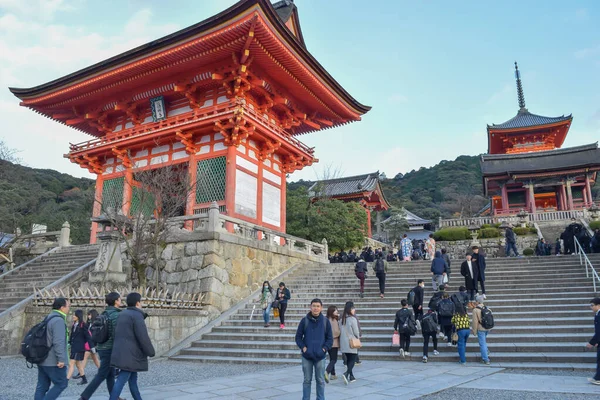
(191, 197)
(127, 191)
(97, 208)
(368, 221)
(230, 185)
(588, 189)
(283, 214)
(564, 202)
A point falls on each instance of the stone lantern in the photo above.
(594, 212)
(523, 218)
(473, 229)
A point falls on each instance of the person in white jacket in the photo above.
(349, 330)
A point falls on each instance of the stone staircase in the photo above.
(541, 308)
(18, 285)
(552, 230)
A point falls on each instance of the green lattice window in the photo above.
(210, 183)
(112, 194)
(142, 202)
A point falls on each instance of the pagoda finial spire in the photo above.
(519, 88)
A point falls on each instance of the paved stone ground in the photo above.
(169, 380)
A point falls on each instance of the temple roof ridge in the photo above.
(347, 185)
(524, 119)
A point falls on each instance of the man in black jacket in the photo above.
(595, 340)
(511, 242)
(131, 348)
(478, 260)
(418, 302)
(467, 269)
(402, 316)
(106, 372)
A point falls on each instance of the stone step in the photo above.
(387, 329)
(498, 314)
(506, 294)
(391, 311)
(374, 285)
(491, 302)
(273, 333)
(392, 355)
(495, 346)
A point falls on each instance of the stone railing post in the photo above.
(65, 235)
(291, 243)
(308, 248)
(325, 248)
(214, 223)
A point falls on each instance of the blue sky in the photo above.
(435, 72)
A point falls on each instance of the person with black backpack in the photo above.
(445, 312)
(103, 335)
(46, 345)
(416, 300)
(360, 269)
(406, 326)
(380, 268)
(429, 330)
(483, 321)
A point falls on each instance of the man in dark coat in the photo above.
(360, 269)
(478, 260)
(132, 347)
(595, 340)
(511, 242)
(595, 243)
(467, 269)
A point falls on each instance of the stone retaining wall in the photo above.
(491, 247)
(223, 267)
(166, 328)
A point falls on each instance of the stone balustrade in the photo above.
(546, 216)
(214, 221)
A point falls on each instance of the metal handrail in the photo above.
(588, 264)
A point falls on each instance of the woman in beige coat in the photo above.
(333, 316)
(349, 330)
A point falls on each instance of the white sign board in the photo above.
(245, 194)
(271, 207)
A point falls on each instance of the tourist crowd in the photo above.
(116, 340)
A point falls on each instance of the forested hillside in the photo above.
(42, 196)
(450, 188)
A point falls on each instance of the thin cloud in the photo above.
(588, 52)
(500, 94)
(398, 98)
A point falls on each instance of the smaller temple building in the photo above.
(418, 228)
(364, 189)
(525, 168)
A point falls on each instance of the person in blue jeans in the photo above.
(314, 338)
(266, 301)
(478, 330)
(105, 372)
(131, 348)
(461, 322)
(52, 370)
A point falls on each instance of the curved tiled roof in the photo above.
(551, 160)
(348, 185)
(525, 119)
